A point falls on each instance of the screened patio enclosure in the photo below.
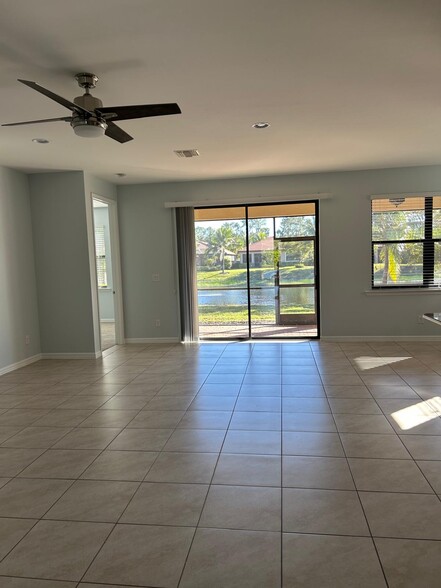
(257, 271)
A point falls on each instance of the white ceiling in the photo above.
(345, 84)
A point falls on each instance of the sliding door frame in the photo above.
(250, 336)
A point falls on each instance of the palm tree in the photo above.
(222, 240)
(390, 225)
(390, 255)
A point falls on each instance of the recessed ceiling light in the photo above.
(121, 175)
(261, 125)
(40, 140)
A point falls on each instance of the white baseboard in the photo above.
(20, 364)
(360, 338)
(154, 340)
(91, 355)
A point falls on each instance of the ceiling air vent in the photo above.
(187, 153)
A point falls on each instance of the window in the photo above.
(100, 253)
(406, 242)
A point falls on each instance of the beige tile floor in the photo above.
(107, 335)
(248, 465)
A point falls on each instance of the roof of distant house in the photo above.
(202, 248)
(263, 245)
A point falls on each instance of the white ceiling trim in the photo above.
(248, 200)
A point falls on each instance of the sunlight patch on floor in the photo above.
(418, 414)
(369, 362)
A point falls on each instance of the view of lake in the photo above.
(236, 297)
(259, 297)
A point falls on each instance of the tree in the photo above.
(299, 251)
(203, 233)
(390, 256)
(394, 225)
(296, 226)
(222, 240)
(257, 230)
(238, 228)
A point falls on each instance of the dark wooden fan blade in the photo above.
(115, 132)
(34, 122)
(140, 111)
(67, 103)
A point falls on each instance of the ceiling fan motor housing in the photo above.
(88, 102)
(88, 126)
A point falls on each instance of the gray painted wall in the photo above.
(146, 241)
(62, 262)
(147, 233)
(100, 187)
(18, 291)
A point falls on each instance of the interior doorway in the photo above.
(257, 271)
(105, 263)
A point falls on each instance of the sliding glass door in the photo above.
(222, 279)
(257, 271)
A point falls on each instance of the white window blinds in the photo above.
(100, 253)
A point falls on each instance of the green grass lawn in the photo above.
(258, 277)
(409, 272)
(238, 314)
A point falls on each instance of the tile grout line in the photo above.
(257, 531)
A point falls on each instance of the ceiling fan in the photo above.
(90, 118)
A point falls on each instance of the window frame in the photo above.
(428, 243)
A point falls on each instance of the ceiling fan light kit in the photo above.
(89, 129)
(90, 119)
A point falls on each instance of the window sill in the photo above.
(402, 291)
